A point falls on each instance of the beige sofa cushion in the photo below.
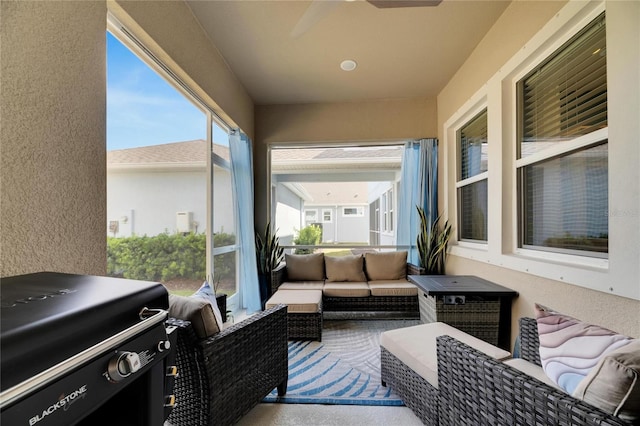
(297, 301)
(302, 285)
(392, 288)
(196, 310)
(345, 268)
(386, 265)
(613, 385)
(532, 370)
(346, 289)
(416, 347)
(305, 267)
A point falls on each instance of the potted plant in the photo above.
(269, 254)
(432, 244)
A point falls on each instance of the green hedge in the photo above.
(164, 257)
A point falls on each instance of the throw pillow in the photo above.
(207, 293)
(345, 268)
(305, 267)
(386, 266)
(196, 310)
(614, 384)
(570, 348)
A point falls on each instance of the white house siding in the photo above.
(376, 191)
(146, 203)
(288, 214)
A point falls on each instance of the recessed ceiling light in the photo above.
(348, 65)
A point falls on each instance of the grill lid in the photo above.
(47, 317)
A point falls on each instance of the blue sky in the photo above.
(142, 108)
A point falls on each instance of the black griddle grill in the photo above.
(78, 349)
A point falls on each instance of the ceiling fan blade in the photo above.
(384, 4)
(316, 11)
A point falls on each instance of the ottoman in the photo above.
(409, 364)
(304, 312)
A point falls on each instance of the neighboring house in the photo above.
(341, 209)
(163, 188)
(338, 189)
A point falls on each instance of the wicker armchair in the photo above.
(223, 377)
(477, 390)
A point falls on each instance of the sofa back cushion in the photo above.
(345, 268)
(613, 385)
(305, 267)
(386, 266)
(570, 348)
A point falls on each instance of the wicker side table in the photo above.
(472, 304)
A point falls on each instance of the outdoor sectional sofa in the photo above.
(373, 282)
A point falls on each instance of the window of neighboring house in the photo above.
(385, 212)
(353, 211)
(327, 216)
(472, 179)
(311, 216)
(562, 164)
(180, 199)
(390, 203)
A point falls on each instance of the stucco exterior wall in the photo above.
(53, 158)
(519, 23)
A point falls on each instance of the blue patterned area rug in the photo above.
(343, 369)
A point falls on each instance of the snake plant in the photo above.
(432, 243)
(269, 254)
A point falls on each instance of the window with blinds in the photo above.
(565, 96)
(472, 179)
(563, 192)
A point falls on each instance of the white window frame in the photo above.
(324, 212)
(306, 216)
(359, 211)
(384, 207)
(460, 183)
(390, 209)
(452, 129)
(611, 275)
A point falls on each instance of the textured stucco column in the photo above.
(52, 135)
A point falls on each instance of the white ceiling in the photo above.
(401, 52)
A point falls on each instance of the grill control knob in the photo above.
(164, 345)
(122, 365)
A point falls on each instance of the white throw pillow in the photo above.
(206, 292)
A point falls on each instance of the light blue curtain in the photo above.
(418, 187)
(242, 180)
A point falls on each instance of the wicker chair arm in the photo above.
(529, 341)
(477, 389)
